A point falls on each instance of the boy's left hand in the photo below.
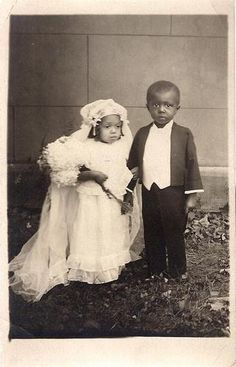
(191, 201)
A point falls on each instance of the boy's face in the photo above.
(110, 129)
(163, 106)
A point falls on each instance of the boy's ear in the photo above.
(147, 106)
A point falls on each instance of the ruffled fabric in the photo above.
(95, 277)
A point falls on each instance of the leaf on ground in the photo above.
(214, 293)
(222, 271)
(183, 303)
(191, 215)
(204, 221)
(218, 303)
(167, 294)
(216, 306)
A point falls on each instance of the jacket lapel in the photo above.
(174, 140)
(177, 153)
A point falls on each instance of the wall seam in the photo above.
(127, 106)
(205, 170)
(122, 35)
(87, 68)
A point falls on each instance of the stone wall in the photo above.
(60, 63)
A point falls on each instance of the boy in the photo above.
(165, 155)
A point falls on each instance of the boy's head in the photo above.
(163, 99)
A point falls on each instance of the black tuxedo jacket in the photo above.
(184, 164)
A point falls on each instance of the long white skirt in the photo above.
(80, 238)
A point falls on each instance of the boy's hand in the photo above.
(127, 204)
(191, 201)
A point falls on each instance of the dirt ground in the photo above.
(134, 304)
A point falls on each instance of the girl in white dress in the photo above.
(86, 229)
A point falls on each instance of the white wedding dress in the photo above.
(82, 235)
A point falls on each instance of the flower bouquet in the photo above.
(63, 159)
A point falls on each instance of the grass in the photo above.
(134, 305)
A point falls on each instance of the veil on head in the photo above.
(93, 112)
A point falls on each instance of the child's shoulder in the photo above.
(181, 128)
(146, 127)
(143, 129)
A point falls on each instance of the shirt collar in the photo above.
(166, 128)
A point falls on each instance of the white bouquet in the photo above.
(63, 158)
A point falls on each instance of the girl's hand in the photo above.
(135, 172)
(96, 176)
(99, 177)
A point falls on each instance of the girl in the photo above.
(86, 229)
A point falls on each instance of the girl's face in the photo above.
(110, 129)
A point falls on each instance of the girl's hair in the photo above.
(96, 130)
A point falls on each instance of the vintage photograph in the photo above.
(118, 197)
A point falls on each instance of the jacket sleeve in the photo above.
(131, 185)
(192, 174)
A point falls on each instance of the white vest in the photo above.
(156, 159)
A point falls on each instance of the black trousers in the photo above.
(164, 222)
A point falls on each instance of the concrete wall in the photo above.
(60, 63)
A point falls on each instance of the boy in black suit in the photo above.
(165, 155)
